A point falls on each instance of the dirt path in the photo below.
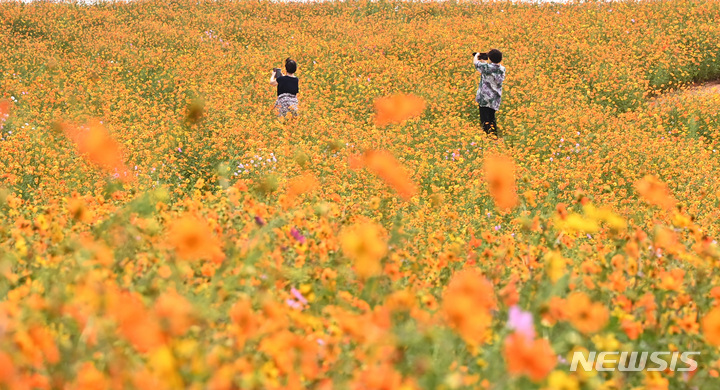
(712, 87)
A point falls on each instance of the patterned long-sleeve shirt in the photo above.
(489, 93)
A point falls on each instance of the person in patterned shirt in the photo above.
(489, 93)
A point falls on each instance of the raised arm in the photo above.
(273, 82)
(480, 65)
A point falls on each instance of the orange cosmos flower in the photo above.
(135, 322)
(688, 323)
(279, 347)
(711, 326)
(584, 315)
(89, 378)
(192, 239)
(397, 108)
(665, 238)
(176, 311)
(655, 381)
(78, 209)
(671, 280)
(44, 341)
(243, 316)
(535, 358)
(384, 165)
(301, 184)
(28, 348)
(467, 303)
(401, 300)
(655, 192)
(633, 329)
(95, 143)
(509, 294)
(500, 176)
(365, 244)
(554, 310)
(4, 112)
(222, 378)
(377, 377)
(7, 369)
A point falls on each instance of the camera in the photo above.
(482, 56)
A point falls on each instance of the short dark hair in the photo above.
(290, 65)
(495, 56)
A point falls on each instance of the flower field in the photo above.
(161, 228)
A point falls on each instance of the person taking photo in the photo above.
(287, 88)
(489, 92)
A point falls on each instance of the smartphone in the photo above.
(278, 73)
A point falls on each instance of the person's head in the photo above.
(290, 65)
(495, 56)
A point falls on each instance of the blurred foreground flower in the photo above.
(78, 209)
(555, 265)
(711, 326)
(244, 320)
(379, 376)
(192, 239)
(500, 176)
(655, 192)
(4, 112)
(7, 369)
(98, 147)
(384, 165)
(467, 304)
(175, 311)
(521, 322)
(397, 108)
(134, 321)
(299, 185)
(534, 358)
(561, 380)
(365, 244)
(586, 316)
(195, 111)
(88, 377)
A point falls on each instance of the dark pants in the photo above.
(487, 116)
